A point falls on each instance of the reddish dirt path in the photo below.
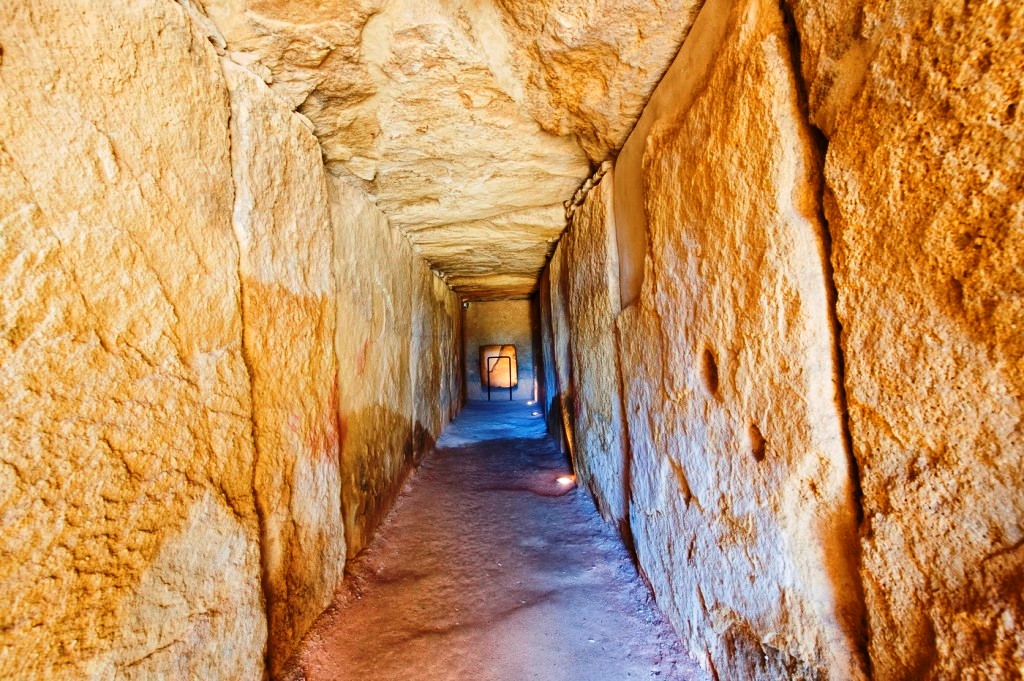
(490, 570)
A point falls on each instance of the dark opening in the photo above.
(711, 372)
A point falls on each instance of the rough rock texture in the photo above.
(505, 322)
(172, 253)
(593, 299)
(674, 93)
(126, 454)
(925, 171)
(561, 359)
(588, 67)
(282, 222)
(742, 508)
(382, 401)
(460, 117)
(547, 393)
(435, 355)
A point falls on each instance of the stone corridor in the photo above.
(757, 266)
(491, 569)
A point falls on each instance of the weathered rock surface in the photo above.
(674, 93)
(742, 506)
(172, 367)
(561, 358)
(461, 118)
(283, 225)
(435, 355)
(382, 298)
(593, 301)
(925, 172)
(129, 542)
(587, 67)
(549, 399)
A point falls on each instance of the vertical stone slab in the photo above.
(434, 343)
(742, 509)
(390, 309)
(283, 225)
(593, 296)
(129, 542)
(426, 379)
(922, 104)
(550, 398)
(450, 348)
(374, 268)
(561, 336)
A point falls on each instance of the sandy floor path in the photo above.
(489, 569)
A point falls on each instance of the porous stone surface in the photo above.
(925, 170)
(742, 507)
(561, 359)
(129, 539)
(674, 93)
(501, 322)
(461, 118)
(176, 356)
(282, 221)
(549, 399)
(588, 67)
(436, 357)
(382, 299)
(593, 299)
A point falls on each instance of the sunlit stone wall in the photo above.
(818, 225)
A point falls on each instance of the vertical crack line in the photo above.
(336, 407)
(625, 525)
(261, 515)
(819, 149)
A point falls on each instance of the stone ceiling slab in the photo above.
(468, 122)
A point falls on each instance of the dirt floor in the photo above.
(490, 569)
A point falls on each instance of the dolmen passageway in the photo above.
(757, 264)
(489, 568)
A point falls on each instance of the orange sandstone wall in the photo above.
(126, 426)
(742, 501)
(821, 373)
(207, 399)
(283, 225)
(591, 304)
(924, 171)
(393, 396)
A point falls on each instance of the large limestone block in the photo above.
(425, 362)
(129, 543)
(742, 509)
(561, 339)
(383, 304)
(548, 393)
(675, 92)
(283, 225)
(925, 167)
(435, 337)
(593, 298)
(374, 270)
(449, 346)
